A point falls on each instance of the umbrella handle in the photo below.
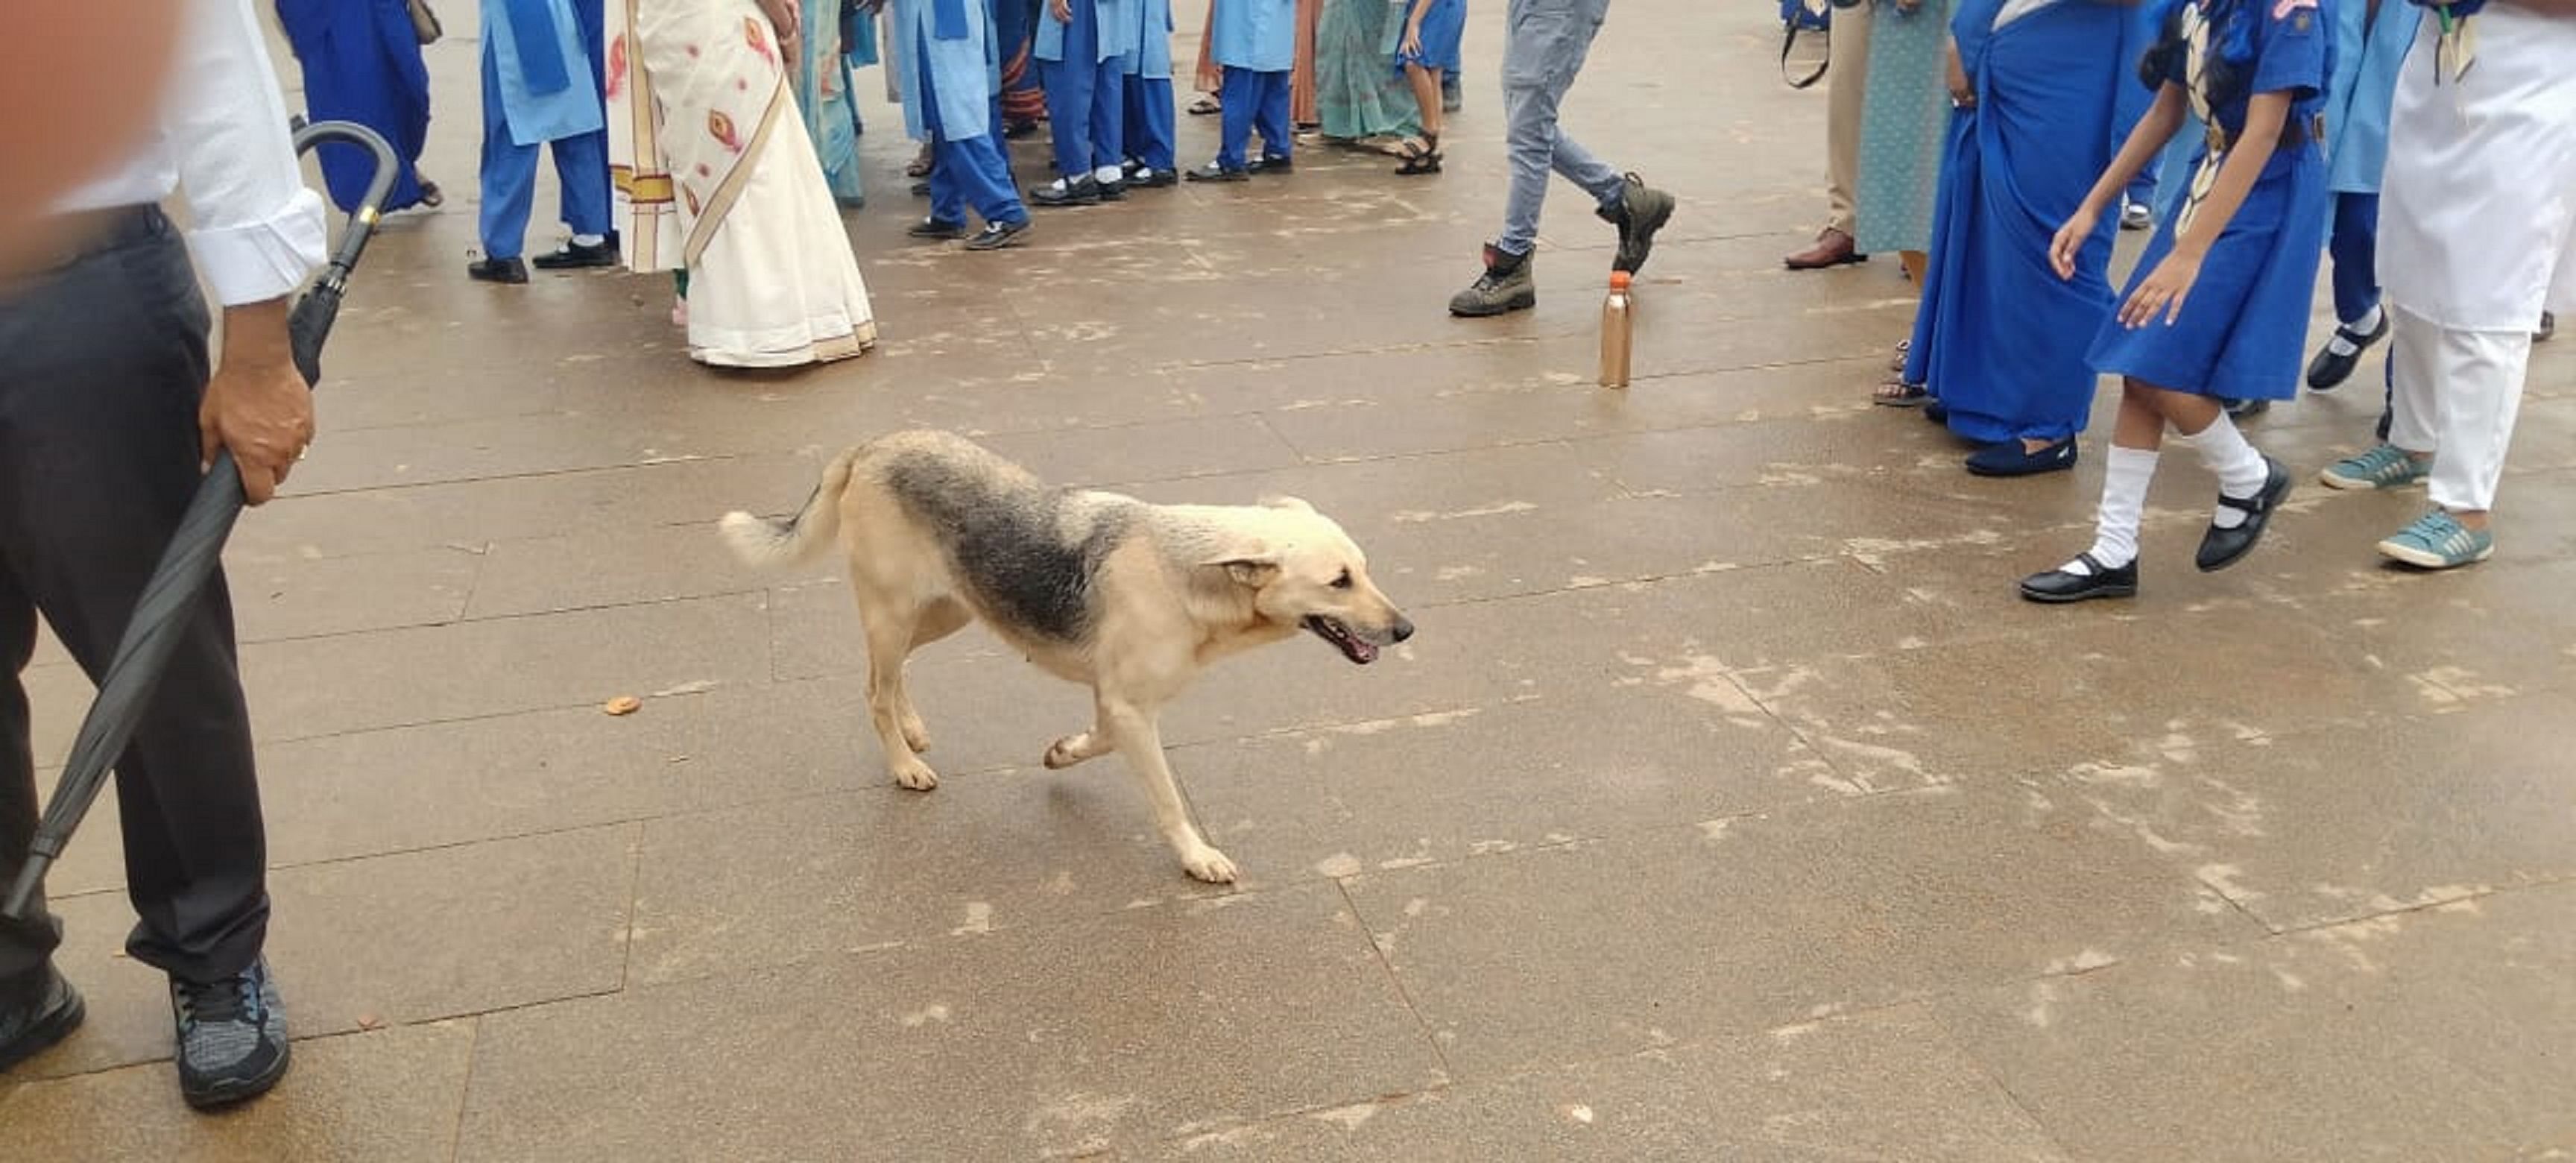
(169, 596)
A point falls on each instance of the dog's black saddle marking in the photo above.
(1007, 540)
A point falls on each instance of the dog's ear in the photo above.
(1291, 504)
(1252, 564)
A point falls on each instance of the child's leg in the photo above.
(2241, 470)
(1240, 95)
(1426, 97)
(2136, 437)
(1278, 136)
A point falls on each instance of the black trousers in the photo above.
(102, 364)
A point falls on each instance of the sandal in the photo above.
(1421, 156)
(430, 195)
(1904, 347)
(1896, 393)
(919, 167)
(1206, 106)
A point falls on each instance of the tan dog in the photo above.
(1128, 598)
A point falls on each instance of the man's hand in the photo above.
(257, 405)
(783, 17)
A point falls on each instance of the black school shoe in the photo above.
(507, 271)
(2008, 459)
(2329, 370)
(2059, 587)
(936, 230)
(1267, 164)
(36, 1012)
(2220, 548)
(573, 256)
(1212, 172)
(998, 235)
(1082, 191)
(232, 1037)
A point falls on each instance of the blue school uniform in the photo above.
(542, 84)
(1149, 129)
(1086, 83)
(1443, 28)
(948, 77)
(1256, 45)
(362, 63)
(2243, 327)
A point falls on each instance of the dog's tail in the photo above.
(769, 542)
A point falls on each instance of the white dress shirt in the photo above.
(223, 143)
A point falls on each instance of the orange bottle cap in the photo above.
(1619, 280)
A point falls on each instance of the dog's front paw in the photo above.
(916, 735)
(916, 775)
(1070, 750)
(1209, 865)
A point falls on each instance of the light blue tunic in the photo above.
(535, 118)
(2363, 88)
(959, 71)
(1260, 35)
(1121, 30)
(1153, 60)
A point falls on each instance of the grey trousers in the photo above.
(102, 364)
(1545, 46)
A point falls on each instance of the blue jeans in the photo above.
(1548, 40)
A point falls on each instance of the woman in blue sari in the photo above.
(361, 62)
(823, 96)
(2218, 307)
(2000, 337)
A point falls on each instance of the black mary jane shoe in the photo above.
(2059, 587)
(2220, 548)
(2330, 369)
(1212, 172)
(2246, 409)
(936, 230)
(2010, 459)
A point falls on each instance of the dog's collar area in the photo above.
(1351, 645)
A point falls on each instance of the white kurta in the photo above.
(2477, 219)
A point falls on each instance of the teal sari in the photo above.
(823, 96)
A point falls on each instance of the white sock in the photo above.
(2362, 326)
(588, 239)
(1108, 173)
(2241, 470)
(2124, 500)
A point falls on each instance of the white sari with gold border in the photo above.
(714, 174)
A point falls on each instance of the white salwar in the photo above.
(715, 175)
(2477, 237)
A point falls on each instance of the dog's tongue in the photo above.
(1362, 652)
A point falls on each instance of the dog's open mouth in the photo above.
(1351, 645)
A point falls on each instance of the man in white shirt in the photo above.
(106, 413)
(2477, 238)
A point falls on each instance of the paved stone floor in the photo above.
(1729, 806)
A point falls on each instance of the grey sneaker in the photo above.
(1642, 210)
(232, 1037)
(2384, 467)
(2437, 540)
(1507, 285)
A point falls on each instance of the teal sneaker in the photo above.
(2384, 467)
(2437, 540)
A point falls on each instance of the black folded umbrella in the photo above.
(142, 656)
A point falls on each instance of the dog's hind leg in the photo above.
(940, 617)
(1132, 729)
(891, 626)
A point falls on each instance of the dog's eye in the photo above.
(1343, 582)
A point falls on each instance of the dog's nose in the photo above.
(1403, 628)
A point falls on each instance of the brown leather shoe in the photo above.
(1833, 249)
